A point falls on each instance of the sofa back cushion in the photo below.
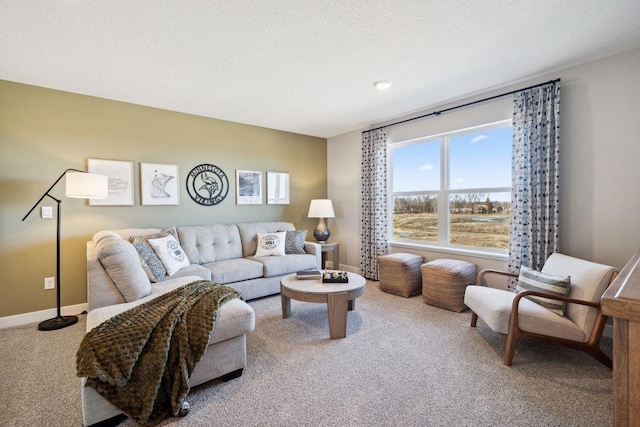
(209, 243)
(249, 232)
(122, 263)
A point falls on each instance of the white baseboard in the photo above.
(350, 269)
(39, 316)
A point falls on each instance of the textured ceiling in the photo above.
(304, 66)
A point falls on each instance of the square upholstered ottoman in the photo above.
(399, 273)
(444, 282)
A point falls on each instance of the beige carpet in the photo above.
(403, 363)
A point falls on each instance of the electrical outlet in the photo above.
(49, 283)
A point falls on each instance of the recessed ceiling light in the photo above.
(382, 84)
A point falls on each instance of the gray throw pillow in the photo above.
(532, 280)
(122, 263)
(151, 260)
(294, 242)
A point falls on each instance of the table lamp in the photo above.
(321, 208)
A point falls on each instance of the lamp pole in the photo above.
(59, 321)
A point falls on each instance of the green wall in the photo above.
(43, 132)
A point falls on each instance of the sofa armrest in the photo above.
(314, 248)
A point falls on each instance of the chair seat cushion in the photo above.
(493, 306)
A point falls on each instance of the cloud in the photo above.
(426, 167)
(479, 138)
(460, 180)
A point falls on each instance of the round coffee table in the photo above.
(339, 297)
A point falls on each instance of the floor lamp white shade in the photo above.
(321, 208)
(82, 185)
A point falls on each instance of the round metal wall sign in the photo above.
(207, 185)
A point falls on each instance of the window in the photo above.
(453, 189)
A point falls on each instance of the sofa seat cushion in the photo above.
(279, 265)
(193, 270)
(493, 306)
(235, 318)
(99, 315)
(234, 270)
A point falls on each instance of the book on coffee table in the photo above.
(308, 275)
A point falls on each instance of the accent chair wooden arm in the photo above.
(491, 271)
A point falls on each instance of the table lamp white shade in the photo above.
(86, 185)
(321, 208)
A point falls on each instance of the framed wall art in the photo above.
(248, 187)
(159, 184)
(278, 188)
(120, 174)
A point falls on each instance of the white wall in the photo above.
(599, 163)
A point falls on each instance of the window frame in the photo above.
(443, 195)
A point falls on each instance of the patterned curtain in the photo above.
(373, 225)
(535, 177)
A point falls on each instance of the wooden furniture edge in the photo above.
(622, 298)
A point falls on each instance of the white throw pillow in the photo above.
(271, 244)
(170, 253)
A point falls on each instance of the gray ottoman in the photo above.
(400, 273)
(444, 282)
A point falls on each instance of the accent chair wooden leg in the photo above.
(600, 356)
(512, 339)
(474, 319)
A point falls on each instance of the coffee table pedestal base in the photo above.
(338, 304)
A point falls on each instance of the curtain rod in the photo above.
(446, 110)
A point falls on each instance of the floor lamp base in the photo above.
(57, 322)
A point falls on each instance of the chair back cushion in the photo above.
(589, 280)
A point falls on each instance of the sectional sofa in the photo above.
(118, 279)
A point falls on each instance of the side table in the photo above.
(335, 249)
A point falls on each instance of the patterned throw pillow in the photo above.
(150, 262)
(271, 244)
(294, 243)
(170, 253)
(532, 280)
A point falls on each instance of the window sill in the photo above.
(477, 253)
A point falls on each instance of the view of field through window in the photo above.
(479, 197)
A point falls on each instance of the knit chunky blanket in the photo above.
(141, 360)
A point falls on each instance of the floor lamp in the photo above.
(79, 184)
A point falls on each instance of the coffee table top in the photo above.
(315, 286)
